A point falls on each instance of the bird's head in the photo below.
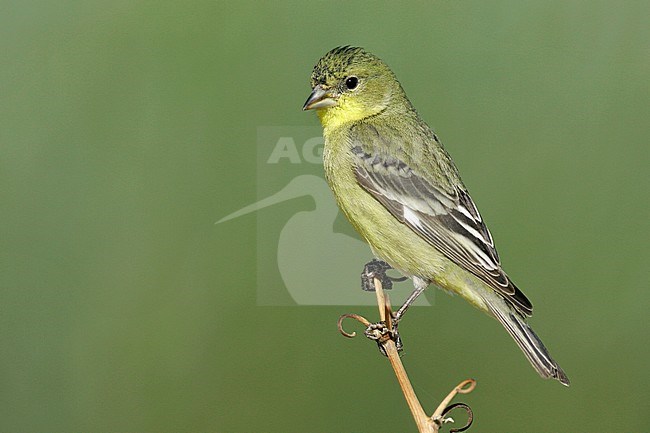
(349, 84)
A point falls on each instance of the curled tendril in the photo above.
(470, 416)
(465, 387)
(356, 317)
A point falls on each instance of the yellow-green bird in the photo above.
(401, 191)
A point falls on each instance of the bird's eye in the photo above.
(351, 82)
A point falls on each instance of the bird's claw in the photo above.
(376, 269)
(380, 333)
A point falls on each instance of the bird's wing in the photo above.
(448, 221)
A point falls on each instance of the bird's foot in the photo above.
(377, 269)
(380, 333)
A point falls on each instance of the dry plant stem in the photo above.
(424, 423)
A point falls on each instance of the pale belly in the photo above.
(393, 241)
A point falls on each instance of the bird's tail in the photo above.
(529, 343)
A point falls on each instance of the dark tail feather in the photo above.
(530, 344)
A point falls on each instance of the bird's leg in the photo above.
(380, 333)
(420, 285)
(377, 269)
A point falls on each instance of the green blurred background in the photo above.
(127, 128)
